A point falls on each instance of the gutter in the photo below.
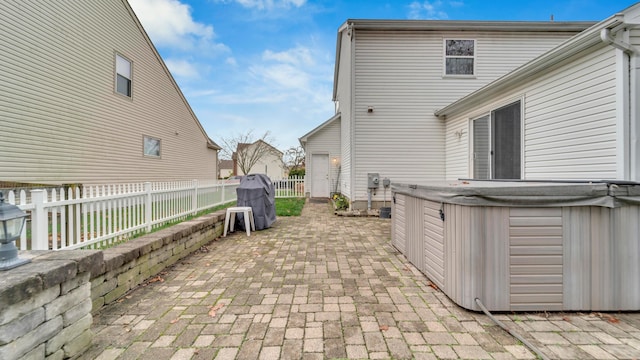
(468, 25)
(605, 36)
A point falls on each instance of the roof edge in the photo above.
(468, 25)
(210, 143)
(303, 139)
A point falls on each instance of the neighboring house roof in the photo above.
(304, 138)
(595, 34)
(450, 25)
(210, 143)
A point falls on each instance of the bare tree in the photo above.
(245, 150)
(294, 158)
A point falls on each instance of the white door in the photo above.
(320, 175)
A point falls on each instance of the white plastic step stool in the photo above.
(231, 217)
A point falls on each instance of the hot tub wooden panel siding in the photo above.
(399, 223)
(433, 243)
(494, 227)
(415, 232)
(535, 258)
(626, 252)
(476, 249)
(578, 243)
(519, 258)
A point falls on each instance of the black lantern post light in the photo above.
(12, 221)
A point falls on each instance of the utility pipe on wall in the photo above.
(630, 129)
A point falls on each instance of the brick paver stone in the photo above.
(321, 286)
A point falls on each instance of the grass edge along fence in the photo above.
(100, 215)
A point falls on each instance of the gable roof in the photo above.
(304, 138)
(450, 25)
(598, 33)
(210, 143)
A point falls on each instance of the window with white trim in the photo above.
(459, 57)
(151, 146)
(497, 143)
(123, 76)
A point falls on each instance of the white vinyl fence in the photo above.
(100, 215)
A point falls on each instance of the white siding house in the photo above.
(322, 151)
(391, 76)
(86, 98)
(579, 115)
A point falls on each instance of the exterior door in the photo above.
(320, 175)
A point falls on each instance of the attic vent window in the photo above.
(459, 57)
(123, 76)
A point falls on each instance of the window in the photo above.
(459, 57)
(123, 76)
(497, 144)
(151, 146)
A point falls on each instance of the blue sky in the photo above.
(267, 65)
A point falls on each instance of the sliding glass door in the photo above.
(497, 144)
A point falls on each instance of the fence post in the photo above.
(147, 205)
(39, 221)
(194, 199)
(223, 192)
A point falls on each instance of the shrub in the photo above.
(340, 202)
(297, 172)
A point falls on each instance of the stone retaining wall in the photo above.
(46, 306)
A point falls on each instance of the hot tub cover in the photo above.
(605, 193)
(258, 192)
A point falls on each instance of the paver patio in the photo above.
(320, 286)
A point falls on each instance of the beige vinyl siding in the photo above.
(344, 96)
(569, 121)
(59, 104)
(400, 74)
(325, 141)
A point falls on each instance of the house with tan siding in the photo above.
(570, 114)
(392, 75)
(86, 98)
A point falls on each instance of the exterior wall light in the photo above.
(12, 221)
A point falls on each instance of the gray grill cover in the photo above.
(257, 191)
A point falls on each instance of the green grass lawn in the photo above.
(289, 206)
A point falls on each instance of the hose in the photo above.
(514, 334)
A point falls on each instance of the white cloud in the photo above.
(292, 70)
(169, 24)
(284, 75)
(296, 56)
(182, 68)
(427, 10)
(270, 4)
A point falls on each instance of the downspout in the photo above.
(629, 129)
(352, 123)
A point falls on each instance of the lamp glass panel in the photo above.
(12, 228)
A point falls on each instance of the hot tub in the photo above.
(524, 246)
